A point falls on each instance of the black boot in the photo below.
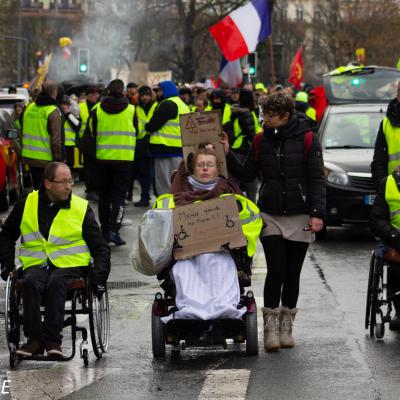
(142, 203)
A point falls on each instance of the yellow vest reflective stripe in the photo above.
(392, 197)
(143, 119)
(226, 117)
(250, 217)
(69, 135)
(116, 138)
(170, 133)
(35, 136)
(392, 135)
(84, 115)
(65, 247)
(251, 221)
(311, 113)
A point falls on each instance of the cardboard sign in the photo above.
(206, 226)
(201, 127)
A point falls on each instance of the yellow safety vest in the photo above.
(392, 197)
(143, 119)
(226, 117)
(311, 113)
(116, 138)
(392, 135)
(70, 135)
(84, 115)
(256, 123)
(250, 217)
(65, 246)
(170, 133)
(35, 136)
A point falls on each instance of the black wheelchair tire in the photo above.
(157, 336)
(100, 340)
(251, 334)
(369, 290)
(374, 299)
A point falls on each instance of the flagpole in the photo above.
(271, 54)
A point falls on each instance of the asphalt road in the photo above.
(334, 357)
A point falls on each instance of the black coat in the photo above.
(47, 211)
(292, 182)
(380, 217)
(379, 165)
(247, 127)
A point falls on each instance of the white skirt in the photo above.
(207, 287)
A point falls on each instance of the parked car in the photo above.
(358, 99)
(11, 173)
(7, 100)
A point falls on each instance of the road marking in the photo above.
(53, 383)
(225, 384)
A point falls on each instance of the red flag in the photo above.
(296, 69)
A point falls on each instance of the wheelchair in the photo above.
(82, 302)
(379, 301)
(181, 333)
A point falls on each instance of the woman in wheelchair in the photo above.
(385, 223)
(207, 285)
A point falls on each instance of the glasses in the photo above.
(203, 165)
(270, 115)
(64, 183)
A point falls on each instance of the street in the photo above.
(334, 357)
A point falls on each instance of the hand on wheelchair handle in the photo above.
(6, 271)
(99, 289)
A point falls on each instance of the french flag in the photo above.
(239, 32)
(231, 73)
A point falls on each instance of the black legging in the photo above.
(284, 261)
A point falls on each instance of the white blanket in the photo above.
(207, 287)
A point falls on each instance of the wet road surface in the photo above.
(334, 357)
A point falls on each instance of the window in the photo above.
(285, 11)
(299, 12)
(317, 13)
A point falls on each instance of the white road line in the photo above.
(225, 384)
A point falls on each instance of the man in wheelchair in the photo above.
(385, 223)
(59, 236)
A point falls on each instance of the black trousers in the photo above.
(284, 262)
(37, 176)
(90, 174)
(113, 184)
(47, 285)
(393, 280)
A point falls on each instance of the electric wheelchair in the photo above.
(80, 301)
(181, 333)
(379, 298)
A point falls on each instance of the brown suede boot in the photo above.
(286, 319)
(271, 329)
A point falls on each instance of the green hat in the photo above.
(302, 97)
(260, 86)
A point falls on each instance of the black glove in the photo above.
(5, 271)
(98, 289)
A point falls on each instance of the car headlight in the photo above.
(336, 175)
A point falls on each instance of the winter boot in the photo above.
(271, 329)
(286, 319)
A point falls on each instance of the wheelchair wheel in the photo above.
(369, 290)
(251, 334)
(99, 323)
(376, 290)
(157, 336)
(11, 316)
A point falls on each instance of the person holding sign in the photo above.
(288, 159)
(207, 285)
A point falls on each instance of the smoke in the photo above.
(106, 32)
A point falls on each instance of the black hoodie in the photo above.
(379, 165)
(292, 183)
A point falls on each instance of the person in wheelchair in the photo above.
(59, 235)
(207, 285)
(385, 223)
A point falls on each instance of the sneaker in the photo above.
(53, 349)
(142, 203)
(31, 348)
(116, 239)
